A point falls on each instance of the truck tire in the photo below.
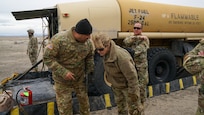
(162, 65)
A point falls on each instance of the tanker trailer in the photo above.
(173, 31)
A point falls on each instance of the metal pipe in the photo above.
(163, 35)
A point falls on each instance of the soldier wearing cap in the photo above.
(121, 73)
(70, 56)
(32, 47)
(193, 62)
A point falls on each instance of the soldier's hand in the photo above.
(142, 37)
(69, 76)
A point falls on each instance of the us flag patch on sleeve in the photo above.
(49, 46)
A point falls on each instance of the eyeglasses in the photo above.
(99, 49)
(138, 28)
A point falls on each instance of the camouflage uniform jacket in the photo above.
(64, 54)
(193, 62)
(32, 46)
(120, 69)
(140, 46)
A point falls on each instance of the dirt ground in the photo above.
(13, 59)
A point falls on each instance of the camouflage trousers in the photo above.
(127, 102)
(141, 63)
(200, 109)
(64, 99)
(33, 59)
(143, 81)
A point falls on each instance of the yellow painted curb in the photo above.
(50, 108)
(181, 84)
(15, 111)
(167, 87)
(107, 100)
(150, 91)
(194, 80)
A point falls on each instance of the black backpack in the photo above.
(131, 51)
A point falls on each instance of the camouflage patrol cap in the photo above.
(101, 40)
(30, 31)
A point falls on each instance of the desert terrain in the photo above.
(13, 59)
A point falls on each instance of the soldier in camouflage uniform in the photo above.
(70, 56)
(193, 62)
(32, 47)
(140, 44)
(121, 73)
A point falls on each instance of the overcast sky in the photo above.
(10, 27)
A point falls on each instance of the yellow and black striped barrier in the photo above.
(175, 85)
(48, 108)
(105, 101)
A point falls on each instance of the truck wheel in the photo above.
(162, 65)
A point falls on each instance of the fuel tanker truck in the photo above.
(173, 31)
